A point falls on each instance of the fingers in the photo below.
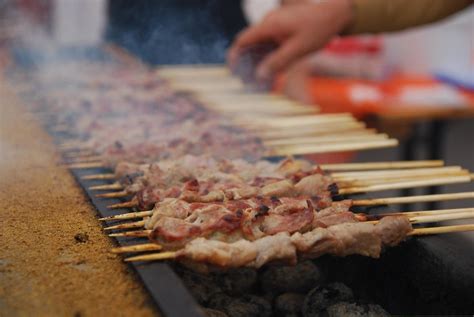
(296, 81)
(287, 53)
(249, 37)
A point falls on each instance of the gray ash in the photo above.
(323, 297)
(355, 310)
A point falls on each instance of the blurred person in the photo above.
(299, 28)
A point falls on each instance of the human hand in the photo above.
(297, 30)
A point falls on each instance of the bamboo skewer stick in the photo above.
(415, 232)
(413, 199)
(327, 167)
(330, 125)
(107, 187)
(127, 204)
(152, 257)
(129, 225)
(334, 147)
(443, 229)
(113, 195)
(85, 165)
(137, 248)
(130, 215)
(254, 105)
(426, 217)
(263, 105)
(372, 167)
(131, 234)
(346, 186)
(406, 184)
(356, 136)
(149, 213)
(383, 201)
(380, 165)
(346, 182)
(394, 179)
(310, 131)
(99, 176)
(425, 212)
(277, 123)
(297, 120)
(395, 172)
(414, 217)
(362, 202)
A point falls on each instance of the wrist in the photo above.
(342, 12)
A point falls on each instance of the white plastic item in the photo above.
(78, 22)
(446, 46)
(255, 10)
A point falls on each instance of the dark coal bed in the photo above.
(432, 275)
(300, 290)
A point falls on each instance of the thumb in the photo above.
(281, 58)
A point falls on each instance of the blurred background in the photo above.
(418, 85)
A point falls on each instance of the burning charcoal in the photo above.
(321, 298)
(238, 281)
(249, 306)
(345, 309)
(220, 301)
(214, 313)
(297, 279)
(200, 286)
(201, 292)
(289, 304)
(355, 310)
(376, 311)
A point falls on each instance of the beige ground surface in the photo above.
(44, 271)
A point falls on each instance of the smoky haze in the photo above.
(175, 32)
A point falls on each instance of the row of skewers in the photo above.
(251, 125)
(221, 210)
(189, 166)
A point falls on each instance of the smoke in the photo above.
(158, 32)
(43, 33)
(62, 76)
(175, 32)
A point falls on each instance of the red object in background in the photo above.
(363, 97)
(38, 10)
(353, 45)
(337, 95)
